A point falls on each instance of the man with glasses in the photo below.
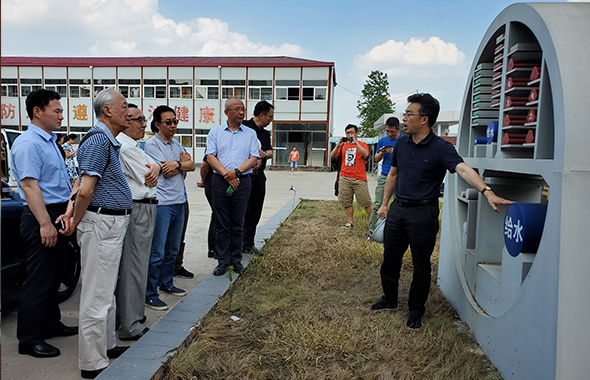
(418, 166)
(384, 150)
(232, 151)
(263, 115)
(142, 174)
(175, 161)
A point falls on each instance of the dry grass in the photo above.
(304, 314)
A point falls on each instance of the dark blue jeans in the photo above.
(165, 246)
(416, 227)
(230, 212)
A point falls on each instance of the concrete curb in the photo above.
(145, 359)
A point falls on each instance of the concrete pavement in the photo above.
(282, 190)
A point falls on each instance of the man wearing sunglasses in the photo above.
(175, 161)
(263, 115)
(142, 174)
(418, 166)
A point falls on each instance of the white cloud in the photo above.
(433, 66)
(399, 56)
(121, 28)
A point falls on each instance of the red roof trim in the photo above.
(279, 61)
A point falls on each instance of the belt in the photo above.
(151, 201)
(108, 211)
(412, 203)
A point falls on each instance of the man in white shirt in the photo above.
(141, 172)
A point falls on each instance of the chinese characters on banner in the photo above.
(80, 112)
(207, 115)
(182, 113)
(8, 111)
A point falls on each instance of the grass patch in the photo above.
(304, 314)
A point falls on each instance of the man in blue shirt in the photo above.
(101, 215)
(43, 182)
(232, 151)
(418, 165)
(175, 161)
(384, 150)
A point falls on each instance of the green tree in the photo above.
(374, 103)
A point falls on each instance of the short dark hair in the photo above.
(39, 98)
(356, 129)
(157, 116)
(71, 136)
(262, 107)
(132, 105)
(429, 106)
(392, 122)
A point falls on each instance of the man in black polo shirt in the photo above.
(418, 166)
(263, 115)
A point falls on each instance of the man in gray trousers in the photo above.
(141, 172)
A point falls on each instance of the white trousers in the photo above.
(101, 240)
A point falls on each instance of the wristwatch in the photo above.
(485, 189)
(179, 165)
(238, 173)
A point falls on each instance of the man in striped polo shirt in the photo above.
(101, 215)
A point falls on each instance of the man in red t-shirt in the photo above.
(353, 179)
(293, 158)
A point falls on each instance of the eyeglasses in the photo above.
(169, 122)
(237, 109)
(140, 119)
(406, 114)
(270, 116)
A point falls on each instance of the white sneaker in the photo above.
(348, 225)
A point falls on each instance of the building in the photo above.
(196, 87)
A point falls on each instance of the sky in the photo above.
(423, 45)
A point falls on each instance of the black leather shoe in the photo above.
(117, 351)
(383, 304)
(414, 321)
(238, 268)
(211, 253)
(39, 350)
(136, 337)
(63, 331)
(91, 374)
(220, 270)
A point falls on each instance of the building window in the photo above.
(12, 91)
(281, 93)
(200, 141)
(212, 93)
(61, 90)
(311, 93)
(26, 90)
(260, 93)
(129, 91)
(160, 92)
(184, 92)
(233, 92)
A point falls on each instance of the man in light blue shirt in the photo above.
(175, 161)
(44, 183)
(384, 150)
(232, 151)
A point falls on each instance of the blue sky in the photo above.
(423, 45)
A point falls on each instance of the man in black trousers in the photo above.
(263, 116)
(44, 183)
